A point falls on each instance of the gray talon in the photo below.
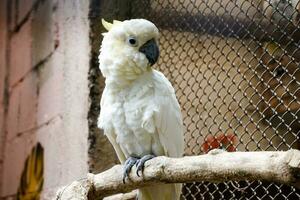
(127, 167)
(141, 162)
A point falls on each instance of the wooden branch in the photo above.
(123, 196)
(216, 166)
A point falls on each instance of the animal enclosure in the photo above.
(235, 69)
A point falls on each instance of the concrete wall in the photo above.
(44, 71)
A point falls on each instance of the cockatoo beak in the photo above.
(151, 51)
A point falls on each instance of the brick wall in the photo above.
(44, 65)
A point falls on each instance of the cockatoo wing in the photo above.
(109, 130)
(112, 139)
(168, 122)
(168, 119)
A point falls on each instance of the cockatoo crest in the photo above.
(108, 25)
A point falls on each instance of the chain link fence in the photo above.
(235, 68)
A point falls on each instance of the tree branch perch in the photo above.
(216, 166)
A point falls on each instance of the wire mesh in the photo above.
(235, 67)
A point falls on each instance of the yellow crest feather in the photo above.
(108, 25)
(116, 22)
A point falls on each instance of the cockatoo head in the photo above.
(128, 49)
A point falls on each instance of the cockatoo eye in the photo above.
(132, 41)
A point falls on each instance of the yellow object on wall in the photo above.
(32, 178)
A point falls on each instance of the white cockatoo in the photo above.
(140, 114)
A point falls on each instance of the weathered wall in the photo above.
(3, 60)
(47, 83)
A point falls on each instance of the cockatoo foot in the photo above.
(127, 167)
(141, 162)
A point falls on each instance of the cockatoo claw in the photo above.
(141, 162)
(127, 167)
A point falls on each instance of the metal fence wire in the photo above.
(235, 67)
